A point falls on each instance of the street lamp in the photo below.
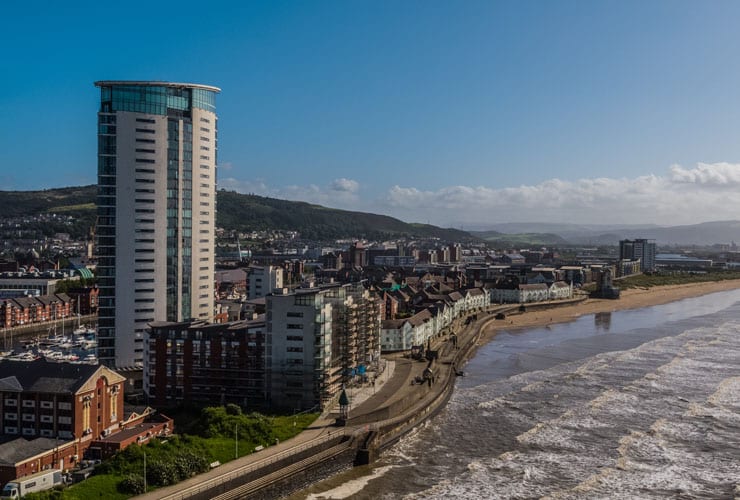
(144, 472)
(236, 441)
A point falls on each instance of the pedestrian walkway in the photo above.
(392, 385)
(321, 429)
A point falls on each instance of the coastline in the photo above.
(634, 298)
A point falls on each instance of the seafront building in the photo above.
(156, 210)
(641, 249)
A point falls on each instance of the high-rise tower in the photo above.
(156, 210)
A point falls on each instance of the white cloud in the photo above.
(683, 196)
(340, 193)
(714, 174)
(344, 185)
(680, 196)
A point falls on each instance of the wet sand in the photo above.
(634, 298)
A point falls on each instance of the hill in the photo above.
(236, 211)
(501, 240)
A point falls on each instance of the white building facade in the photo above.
(156, 210)
(264, 280)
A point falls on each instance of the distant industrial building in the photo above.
(672, 260)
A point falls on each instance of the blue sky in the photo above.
(454, 113)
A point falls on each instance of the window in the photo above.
(295, 326)
(295, 349)
(145, 181)
(146, 130)
(145, 170)
(293, 314)
(142, 150)
(205, 148)
(145, 120)
(205, 120)
(296, 338)
(145, 160)
(204, 157)
(146, 141)
(206, 139)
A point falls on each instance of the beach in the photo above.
(633, 298)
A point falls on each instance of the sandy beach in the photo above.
(630, 299)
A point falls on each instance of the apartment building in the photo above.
(157, 145)
(208, 363)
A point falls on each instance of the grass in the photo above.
(101, 486)
(212, 439)
(72, 208)
(664, 278)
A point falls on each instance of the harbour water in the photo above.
(631, 404)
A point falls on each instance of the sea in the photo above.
(640, 404)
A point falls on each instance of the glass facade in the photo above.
(155, 99)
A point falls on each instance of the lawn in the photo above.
(213, 438)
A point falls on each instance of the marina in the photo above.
(80, 346)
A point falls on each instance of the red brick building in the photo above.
(206, 363)
(52, 413)
(27, 310)
(85, 299)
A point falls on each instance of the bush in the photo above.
(161, 473)
(133, 484)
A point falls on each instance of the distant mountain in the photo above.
(250, 212)
(237, 211)
(705, 233)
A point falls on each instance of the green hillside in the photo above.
(250, 212)
(520, 240)
(237, 211)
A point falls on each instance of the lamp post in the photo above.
(236, 441)
(144, 472)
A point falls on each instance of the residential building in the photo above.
(207, 363)
(157, 147)
(642, 249)
(264, 280)
(299, 343)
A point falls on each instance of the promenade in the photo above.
(395, 397)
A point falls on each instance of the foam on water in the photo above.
(349, 488)
(657, 417)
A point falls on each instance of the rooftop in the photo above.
(155, 83)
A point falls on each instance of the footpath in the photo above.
(394, 401)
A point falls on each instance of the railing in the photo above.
(210, 484)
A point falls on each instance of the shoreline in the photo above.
(634, 298)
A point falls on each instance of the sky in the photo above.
(460, 114)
